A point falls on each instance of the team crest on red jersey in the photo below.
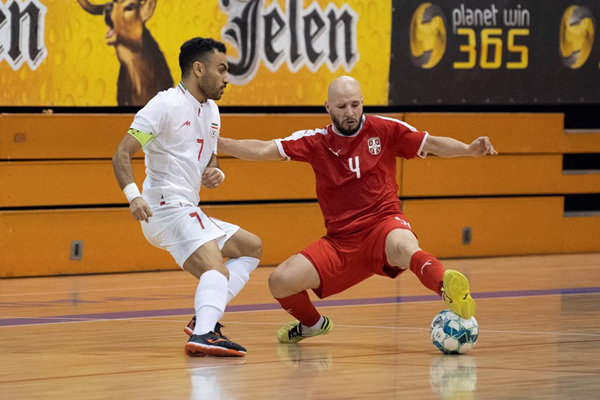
(374, 145)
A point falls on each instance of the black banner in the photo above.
(501, 52)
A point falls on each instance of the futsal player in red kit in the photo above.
(354, 161)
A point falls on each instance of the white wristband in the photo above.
(221, 172)
(131, 191)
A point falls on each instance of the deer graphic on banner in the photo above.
(144, 70)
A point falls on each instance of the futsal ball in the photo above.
(427, 36)
(452, 334)
(576, 36)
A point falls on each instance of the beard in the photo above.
(207, 87)
(216, 94)
(345, 132)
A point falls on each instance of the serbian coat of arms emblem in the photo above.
(374, 145)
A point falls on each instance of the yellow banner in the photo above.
(285, 52)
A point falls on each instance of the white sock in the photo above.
(210, 301)
(239, 273)
(309, 330)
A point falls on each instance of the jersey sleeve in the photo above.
(216, 141)
(407, 141)
(215, 126)
(298, 146)
(148, 122)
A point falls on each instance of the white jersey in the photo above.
(179, 136)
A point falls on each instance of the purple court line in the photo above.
(275, 306)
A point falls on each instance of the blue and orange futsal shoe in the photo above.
(189, 329)
(211, 344)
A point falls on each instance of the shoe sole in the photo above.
(188, 331)
(198, 350)
(456, 288)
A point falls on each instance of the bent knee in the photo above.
(280, 284)
(399, 255)
(276, 279)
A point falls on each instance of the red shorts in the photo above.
(343, 262)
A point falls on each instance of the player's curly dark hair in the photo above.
(195, 49)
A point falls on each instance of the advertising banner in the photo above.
(495, 52)
(120, 53)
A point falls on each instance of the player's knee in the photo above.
(399, 254)
(396, 259)
(400, 245)
(244, 244)
(275, 279)
(278, 283)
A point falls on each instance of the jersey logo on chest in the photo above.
(214, 129)
(337, 153)
(185, 123)
(374, 145)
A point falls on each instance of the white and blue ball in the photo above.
(452, 334)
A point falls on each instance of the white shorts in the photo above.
(181, 230)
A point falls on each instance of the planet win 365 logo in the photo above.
(427, 35)
(576, 36)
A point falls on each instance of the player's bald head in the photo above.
(344, 87)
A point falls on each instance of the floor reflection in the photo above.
(310, 357)
(209, 377)
(453, 376)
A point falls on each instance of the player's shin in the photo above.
(239, 274)
(428, 269)
(210, 301)
(301, 308)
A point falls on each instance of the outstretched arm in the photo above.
(449, 147)
(123, 172)
(250, 149)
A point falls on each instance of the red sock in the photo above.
(300, 307)
(428, 269)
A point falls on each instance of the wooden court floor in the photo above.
(121, 337)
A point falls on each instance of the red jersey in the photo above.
(355, 175)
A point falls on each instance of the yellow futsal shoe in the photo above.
(456, 295)
(292, 332)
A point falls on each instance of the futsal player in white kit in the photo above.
(178, 131)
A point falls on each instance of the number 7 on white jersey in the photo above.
(354, 166)
(201, 141)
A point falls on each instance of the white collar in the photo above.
(190, 96)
